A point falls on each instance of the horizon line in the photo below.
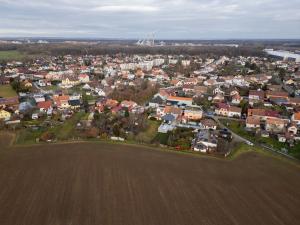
(136, 39)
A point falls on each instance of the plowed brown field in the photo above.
(94, 184)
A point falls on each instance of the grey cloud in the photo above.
(182, 19)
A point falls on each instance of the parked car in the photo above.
(249, 143)
(34, 116)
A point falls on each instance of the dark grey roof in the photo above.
(74, 102)
(168, 117)
(157, 100)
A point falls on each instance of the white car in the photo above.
(35, 116)
(249, 143)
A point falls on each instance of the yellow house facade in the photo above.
(4, 115)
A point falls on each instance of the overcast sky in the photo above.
(169, 19)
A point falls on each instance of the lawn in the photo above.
(62, 132)
(295, 151)
(241, 149)
(52, 88)
(272, 142)
(11, 55)
(238, 128)
(68, 129)
(6, 91)
(162, 138)
(148, 135)
(28, 136)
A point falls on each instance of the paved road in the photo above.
(234, 135)
(242, 139)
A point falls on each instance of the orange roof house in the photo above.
(62, 101)
(275, 124)
(296, 117)
(252, 122)
(44, 105)
(172, 110)
(277, 94)
(111, 103)
(128, 104)
(180, 100)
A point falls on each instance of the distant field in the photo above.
(98, 183)
(11, 55)
(6, 91)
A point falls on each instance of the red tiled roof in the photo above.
(175, 98)
(222, 106)
(261, 94)
(253, 120)
(297, 116)
(44, 105)
(235, 109)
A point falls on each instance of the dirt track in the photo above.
(83, 184)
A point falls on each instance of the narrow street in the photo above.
(244, 140)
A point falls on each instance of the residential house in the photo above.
(74, 103)
(253, 122)
(210, 82)
(292, 128)
(44, 106)
(12, 102)
(187, 88)
(223, 109)
(263, 114)
(205, 142)
(111, 103)
(200, 90)
(218, 98)
(165, 128)
(275, 88)
(116, 109)
(100, 92)
(277, 94)
(176, 82)
(84, 78)
(4, 80)
(193, 114)
(62, 102)
(234, 92)
(4, 115)
(68, 81)
(234, 111)
(218, 90)
(190, 81)
(295, 101)
(256, 97)
(138, 110)
(156, 102)
(168, 118)
(209, 124)
(39, 98)
(236, 99)
(275, 125)
(296, 117)
(128, 104)
(27, 84)
(176, 111)
(164, 93)
(174, 100)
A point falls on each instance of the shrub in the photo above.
(47, 136)
(92, 133)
